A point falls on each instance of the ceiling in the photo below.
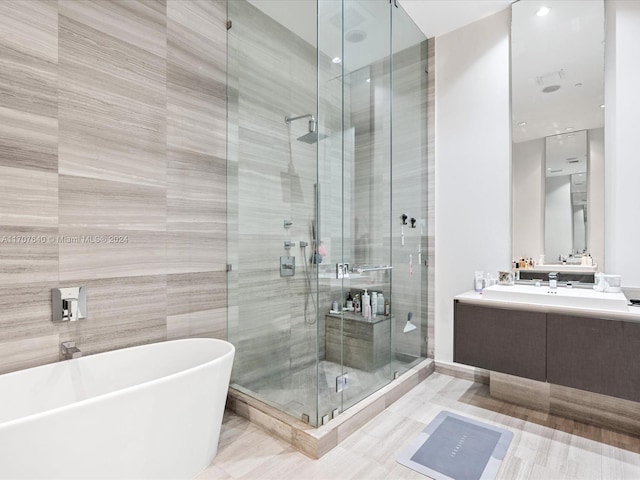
(430, 18)
(437, 17)
(564, 49)
(568, 39)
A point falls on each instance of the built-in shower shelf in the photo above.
(356, 342)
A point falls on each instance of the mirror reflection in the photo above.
(566, 197)
(557, 84)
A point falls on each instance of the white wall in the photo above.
(473, 163)
(622, 150)
(528, 199)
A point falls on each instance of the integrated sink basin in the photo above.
(562, 296)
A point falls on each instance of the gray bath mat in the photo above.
(453, 447)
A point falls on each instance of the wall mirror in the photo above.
(557, 115)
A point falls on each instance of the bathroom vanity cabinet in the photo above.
(594, 354)
(506, 341)
(590, 353)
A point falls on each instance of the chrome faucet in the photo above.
(68, 350)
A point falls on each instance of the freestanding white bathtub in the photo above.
(152, 411)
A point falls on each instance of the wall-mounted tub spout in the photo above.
(68, 350)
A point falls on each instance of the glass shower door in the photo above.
(354, 178)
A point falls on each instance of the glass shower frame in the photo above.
(292, 352)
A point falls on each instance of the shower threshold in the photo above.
(315, 442)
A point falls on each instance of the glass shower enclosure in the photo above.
(326, 188)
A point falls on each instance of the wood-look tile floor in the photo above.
(544, 447)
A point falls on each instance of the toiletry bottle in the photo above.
(380, 304)
(366, 306)
(374, 304)
(386, 307)
(349, 302)
(356, 304)
(335, 306)
(477, 280)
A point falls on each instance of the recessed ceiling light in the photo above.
(522, 124)
(568, 129)
(542, 11)
(368, 80)
(602, 106)
(337, 60)
(355, 36)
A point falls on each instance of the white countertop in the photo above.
(568, 301)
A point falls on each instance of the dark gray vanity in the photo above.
(592, 353)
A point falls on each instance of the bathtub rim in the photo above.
(122, 391)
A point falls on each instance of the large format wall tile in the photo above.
(196, 77)
(195, 292)
(99, 253)
(137, 22)
(122, 312)
(112, 109)
(28, 85)
(28, 255)
(19, 353)
(88, 202)
(29, 198)
(89, 195)
(196, 191)
(190, 252)
(26, 310)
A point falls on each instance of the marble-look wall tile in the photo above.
(195, 292)
(89, 194)
(204, 324)
(99, 253)
(138, 22)
(431, 196)
(28, 255)
(196, 191)
(122, 312)
(19, 353)
(196, 77)
(190, 252)
(28, 84)
(112, 112)
(88, 202)
(29, 198)
(26, 311)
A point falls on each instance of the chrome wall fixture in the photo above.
(69, 304)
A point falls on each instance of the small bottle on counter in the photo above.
(349, 302)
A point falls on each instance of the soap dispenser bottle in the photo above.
(374, 304)
(366, 306)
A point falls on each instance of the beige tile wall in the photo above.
(112, 122)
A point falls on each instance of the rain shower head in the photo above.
(312, 136)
